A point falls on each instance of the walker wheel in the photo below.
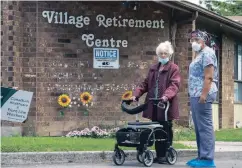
(118, 157)
(147, 158)
(139, 157)
(171, 156)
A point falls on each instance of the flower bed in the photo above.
(95, 132)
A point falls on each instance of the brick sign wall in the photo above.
(55, 59)
(47, 48)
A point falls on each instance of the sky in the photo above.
(194, 1)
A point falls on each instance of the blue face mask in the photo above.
(163, 61)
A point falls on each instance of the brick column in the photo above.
(18, 52)
(183, 57)
(226, 106)
(11, 34)
(29, 62)
(11, 37)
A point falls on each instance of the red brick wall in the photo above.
(58, 67)
(53, 59)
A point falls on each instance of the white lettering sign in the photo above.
(90, 42)
(81, 21)
(119, 22)
(63, 18)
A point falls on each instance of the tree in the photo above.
(224, 8)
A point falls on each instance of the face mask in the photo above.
(196, 46)
(163, 61)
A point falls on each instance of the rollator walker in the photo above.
(141, 135)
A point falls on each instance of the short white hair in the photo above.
(165, 47)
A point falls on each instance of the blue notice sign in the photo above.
(106, 58)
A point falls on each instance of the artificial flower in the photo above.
(127, 95)
(64, 100)
(86, 98)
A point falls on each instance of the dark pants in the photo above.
(203, 122)
(161, 146)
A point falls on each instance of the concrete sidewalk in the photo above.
(220, 163)
(219, 146)
(31, 158)
(228, 150)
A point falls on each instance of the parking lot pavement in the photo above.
(224, 163)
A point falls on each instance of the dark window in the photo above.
(217, 53)
(238, 74)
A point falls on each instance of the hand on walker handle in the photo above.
(164, 99)
(134, 99)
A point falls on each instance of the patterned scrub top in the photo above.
(196, 72)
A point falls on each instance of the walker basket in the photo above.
(133, 138)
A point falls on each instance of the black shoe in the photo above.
(160, 160)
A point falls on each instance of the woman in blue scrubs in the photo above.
(203, 74)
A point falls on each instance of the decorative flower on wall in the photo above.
(64, 100)
(127, 95)
(86, 98)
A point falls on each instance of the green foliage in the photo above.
(62, 113)
(224, 8)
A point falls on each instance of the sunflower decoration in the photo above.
(86, 98)
(127, 95)
(64, 100)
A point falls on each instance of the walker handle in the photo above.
(162, 105)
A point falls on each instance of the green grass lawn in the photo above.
(234, 135)
(50, 144)
(230, 135)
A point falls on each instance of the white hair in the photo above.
(165, 47)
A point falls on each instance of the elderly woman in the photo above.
(203, 74)
(162, 81)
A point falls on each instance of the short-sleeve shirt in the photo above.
(196, 72)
